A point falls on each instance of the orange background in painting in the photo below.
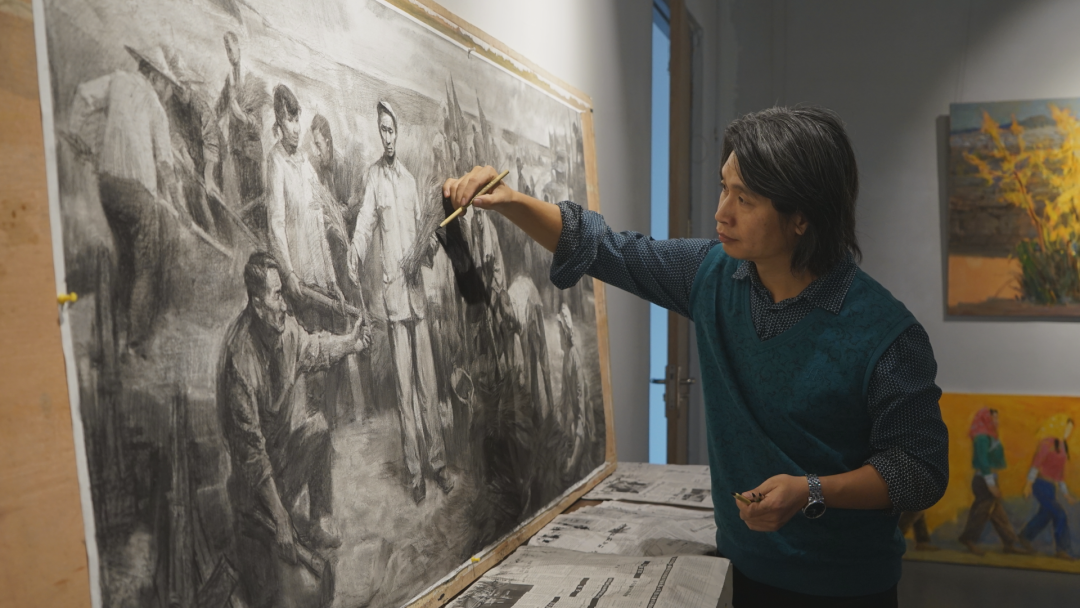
(975, 279)
(1019, 419)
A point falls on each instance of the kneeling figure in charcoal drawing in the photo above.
(278, 443)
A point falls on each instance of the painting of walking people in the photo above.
(1014, 209)
(294, 388)
(1014, 486)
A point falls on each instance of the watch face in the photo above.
(814, 510)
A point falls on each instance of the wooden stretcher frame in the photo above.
(42, 533)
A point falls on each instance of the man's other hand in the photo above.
(785, 496)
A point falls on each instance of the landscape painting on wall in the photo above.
(1014, 209)
(1013, 487)
(290, 386)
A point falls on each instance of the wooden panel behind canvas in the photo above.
(42, 555)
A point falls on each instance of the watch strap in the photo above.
(815, 489)
(815, 504)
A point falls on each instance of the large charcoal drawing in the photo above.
(293, 389)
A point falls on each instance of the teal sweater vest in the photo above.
(795, 404)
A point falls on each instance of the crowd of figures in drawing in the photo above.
(294, 388)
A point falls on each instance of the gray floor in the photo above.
(933, 585)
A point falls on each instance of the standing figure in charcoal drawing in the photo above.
(1048, 471)
(295, 220)
(342, 391)
(499, 316)
(988, 458)
(322, 159)
(391, 209)
(530, 348)
(121, 118)
(296, 207)
(557, 190)
(196, 140)
(578, 417)
(523, 184)
(277, 441)
(239, 111)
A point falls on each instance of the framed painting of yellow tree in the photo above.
(1014, 213)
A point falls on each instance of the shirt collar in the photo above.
(827, 291)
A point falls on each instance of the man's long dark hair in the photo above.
(802, 160)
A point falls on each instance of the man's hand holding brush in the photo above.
(541, 221)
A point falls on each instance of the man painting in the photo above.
(391, 210)
(239, 111)
(121, 118)
(277, 443)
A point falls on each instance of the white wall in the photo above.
(890, 69)
(601, 47)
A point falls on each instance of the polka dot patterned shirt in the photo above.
(907, 436)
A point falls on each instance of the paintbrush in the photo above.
(482, 192)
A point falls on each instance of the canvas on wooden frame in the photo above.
(289, 386)
(1012, 488)
(1014, 209)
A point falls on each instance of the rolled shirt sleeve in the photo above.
(660, 271)
(909, 440)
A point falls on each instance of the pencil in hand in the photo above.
(748, 501)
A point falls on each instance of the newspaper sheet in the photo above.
(623, 528)
(687, 485)
(542, 577)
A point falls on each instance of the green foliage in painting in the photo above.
(1043, 179)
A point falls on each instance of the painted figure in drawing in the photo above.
(119, 121)
(1046, 477)
(988, 458)
(239, 110)
(196, 140)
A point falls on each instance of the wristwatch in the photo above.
(815, 506)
